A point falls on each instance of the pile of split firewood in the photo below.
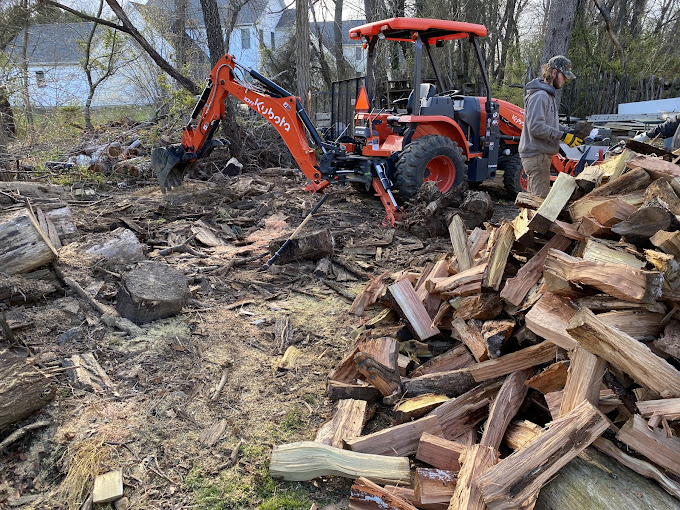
(570, 309)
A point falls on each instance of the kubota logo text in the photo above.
(266, 111)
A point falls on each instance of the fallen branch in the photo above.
(19, 433)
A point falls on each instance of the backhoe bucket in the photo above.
(169, 168)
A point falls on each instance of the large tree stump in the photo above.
(151, 291)
(23, 389)
(23, 244)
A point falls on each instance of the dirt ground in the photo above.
(180, 445)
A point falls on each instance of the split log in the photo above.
(668, 242)
(484, 306)
(459, 241)
(519, 360)
(520, 225)
(549, 318)
(557, 198)
(338, 390)
(640, 324)
(669, 408)
(450, 383)
(583, 206)
(636, 179)
(409, 496)
(24, 245)
(604, 303)
(590, 178)
(386, 380)
(365, 495)
(312, 246)
(470, 334)
(624, 352)
(440, 269)
(517, 288)
(588, 226)
(616, 280)
(495, 332)
(151, 291)
(478, 239)
(600, 251)
(506, 404)
(460, 415)
(568, 230)
(583, 381)
(612, 211)
(396, 441)
(498, 257)
(653, 444)
(307, 460)
(670, 341)
(453, 359)
(657, 168)
(369, 295)
(417, 407)
(476, 460)
(643, 224)
(347, 423)
(516, 478)
(527, 200)
(666, 264)
(23, 389)
(446, 284)
(439, 452)
(433, 485)
(551, 379)
(663, 192)
(412, 310)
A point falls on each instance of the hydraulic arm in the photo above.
(281, 108)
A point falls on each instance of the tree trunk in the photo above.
(24, 65)
(337, 41)
(302, 55)
(23, 389)
(213, 29)
(179, 29)
(560, 22)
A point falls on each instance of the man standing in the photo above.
(542, 132)
(671, 127)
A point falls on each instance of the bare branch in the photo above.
(84, 16)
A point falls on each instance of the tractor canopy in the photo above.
(430, 30)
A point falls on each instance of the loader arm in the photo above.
(282, 109)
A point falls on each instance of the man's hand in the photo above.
(642, 137)
(571, 140)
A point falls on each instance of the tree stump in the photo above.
(151, 291)
(311, 246)
(24, 246)
(23, 389)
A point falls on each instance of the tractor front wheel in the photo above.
(514, 176)
(430, 158)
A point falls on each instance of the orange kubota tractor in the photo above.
(441, 135)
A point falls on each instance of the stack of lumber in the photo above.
(554, 335)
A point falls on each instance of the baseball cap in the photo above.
(563, 64)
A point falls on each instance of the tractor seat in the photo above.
(427, 90)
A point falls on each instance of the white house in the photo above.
(55, 55)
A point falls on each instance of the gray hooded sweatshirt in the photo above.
(542, 132)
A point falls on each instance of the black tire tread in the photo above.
(408, 177)
(512, 168)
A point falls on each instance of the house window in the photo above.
(357, 52)
(40, 78)
(272, 41)
(245, 39)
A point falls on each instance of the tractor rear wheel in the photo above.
(514, 176)
(430, 158)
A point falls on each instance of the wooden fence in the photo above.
(600, 92)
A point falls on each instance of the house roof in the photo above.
(247, 15)
(51, 43)
(288, 21)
